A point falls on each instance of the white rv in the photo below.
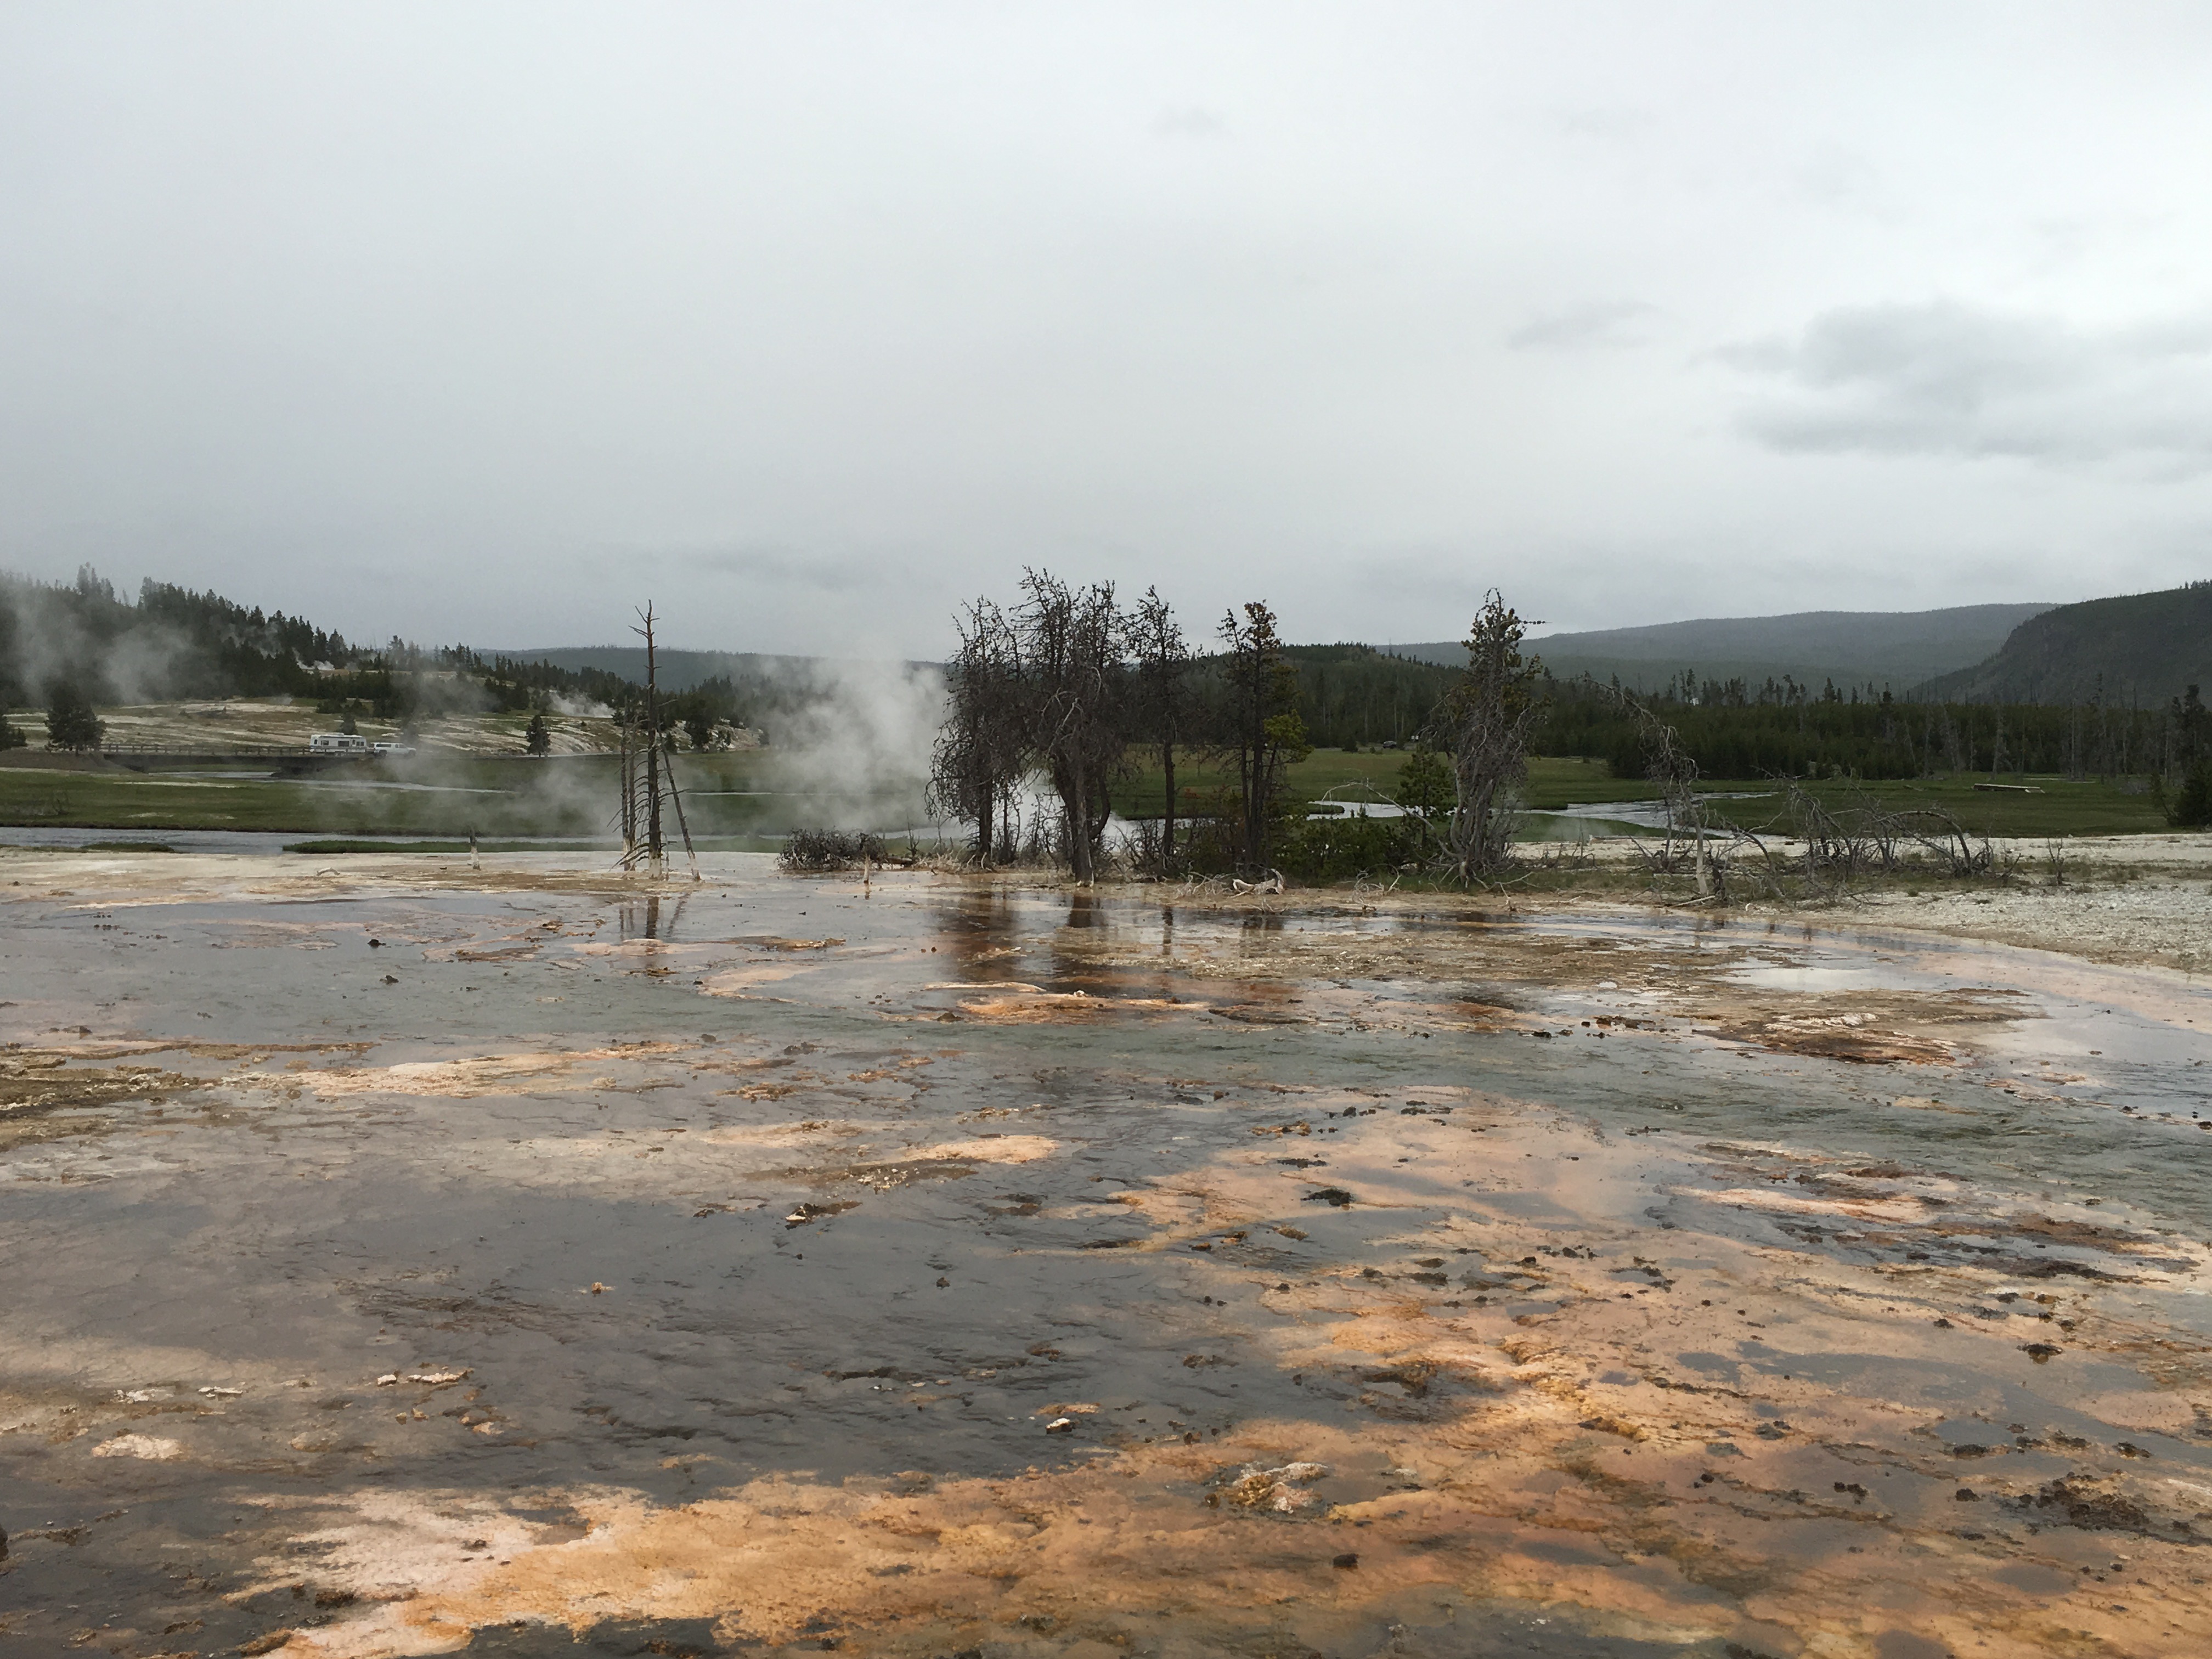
(337, 743)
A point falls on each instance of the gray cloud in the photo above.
(1834, 176)
(491, 322)
(823, 573)
(1189, 121)
(1600, 324)
(1619, 126)
(1947, 378)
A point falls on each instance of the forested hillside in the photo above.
(1735, 732)
(173, 642)
(678, 670)
(1896, 649)
(85, 641)
(1354, 696)
(2137, 649)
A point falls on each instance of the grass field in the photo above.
(742, 794)
(752, 793)
(2061, 808)
(1326, 773)
(288, 723)
(1339, 774)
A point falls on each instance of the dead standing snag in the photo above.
(979, 757)
(1670, 766)
(1045, 691)
(649, 784)
(1070, 646)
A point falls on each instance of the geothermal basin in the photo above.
(405, 1257)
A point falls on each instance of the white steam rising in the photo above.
(858, 738)
(45, 642)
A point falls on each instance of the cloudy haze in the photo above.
(485, 322)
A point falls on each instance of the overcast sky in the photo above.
(485, 322)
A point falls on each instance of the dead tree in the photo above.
(644, 789)
(980, 755)
(1483, 724)
(1675, 769)
(628, 787)
(682, 827)
(653, 851)
(1072, 679)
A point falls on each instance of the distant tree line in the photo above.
(1733, 734)
(1353, 696)
(171, 642)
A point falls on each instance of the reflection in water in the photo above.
(975, 927)
(643, 922)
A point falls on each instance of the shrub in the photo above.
(2189, 807)
(1333, 850)
(814, 850)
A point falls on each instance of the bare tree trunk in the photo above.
(1167, 834)
(1072, 648)
(676, 801)
(629, 793)
(1077, 799)
(653, 853)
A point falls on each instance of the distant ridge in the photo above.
(1898, 649)
(2144, 647)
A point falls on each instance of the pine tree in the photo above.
(1426, 786)
(537, 738)
(1484, 724)
(1265, 733)
(1165, 706)
(70, 723)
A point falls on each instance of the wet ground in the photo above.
(269, 842)
(415, 1260)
